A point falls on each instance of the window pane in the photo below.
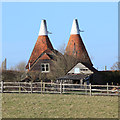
(43, 65)
(46, 65)
(47, 69)
(43, 69)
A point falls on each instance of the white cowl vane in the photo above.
(75, 27)
(43, 28)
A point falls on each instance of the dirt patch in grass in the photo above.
(58, 106)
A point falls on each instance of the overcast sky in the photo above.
(21, 23)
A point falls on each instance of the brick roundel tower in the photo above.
(75, 46)
(43, 52)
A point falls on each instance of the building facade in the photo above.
(44, 58)
(43, 54)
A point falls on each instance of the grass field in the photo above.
(58, 106)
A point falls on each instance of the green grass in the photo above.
(58, 106)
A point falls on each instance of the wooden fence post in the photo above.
(107, 89)
(90, 90)
(85, 86)
(60, 87)
(63, 88)
(41, 86)
(2, 86)
(19, 87)
(80, 83)
(31, 87)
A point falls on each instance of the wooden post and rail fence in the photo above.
(61, 88)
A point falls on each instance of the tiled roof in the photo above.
(76, 48)
(43, 43)
(45, 56)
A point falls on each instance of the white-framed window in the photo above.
(45, 67)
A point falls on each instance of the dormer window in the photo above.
(45, 67)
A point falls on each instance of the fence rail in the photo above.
(61, 88)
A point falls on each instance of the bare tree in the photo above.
(19, 67)
(116, 66)
(67, 61)
(71, 61)
(62, 48)
(59, 68)
(62, 65)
